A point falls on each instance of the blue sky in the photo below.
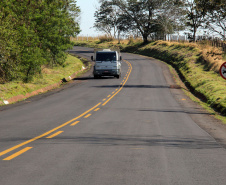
(88, 7)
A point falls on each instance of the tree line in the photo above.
(34, 33)
(157, 18)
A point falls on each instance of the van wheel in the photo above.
(95, 76)
(118, 76)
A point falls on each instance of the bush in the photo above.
(106, 38)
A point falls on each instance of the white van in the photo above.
(107, 63)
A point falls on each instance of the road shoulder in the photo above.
(204, 119)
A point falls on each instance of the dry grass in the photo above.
(212, 57)
(84, 38)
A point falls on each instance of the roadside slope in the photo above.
(50, 78)
(208, 85)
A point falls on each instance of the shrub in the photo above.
(106, 38)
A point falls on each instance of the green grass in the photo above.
(224, 56)
(48, 77)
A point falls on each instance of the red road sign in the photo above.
(223, 70)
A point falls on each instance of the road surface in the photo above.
(130, 131)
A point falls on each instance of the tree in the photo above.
(108, 19)
(162, 27)
(9, 49)
(34, 33)
(142, 15)
(215, 19)
(195, 15)
(169, 19)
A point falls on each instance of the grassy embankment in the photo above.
(197, 65)
(48, 77)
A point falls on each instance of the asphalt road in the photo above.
(134, 130)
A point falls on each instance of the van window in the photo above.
(106, 56)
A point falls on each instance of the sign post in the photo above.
(223, 70)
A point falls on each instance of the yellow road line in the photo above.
(97, 109)
(130, 67)
(68, 122)
(75, 123)
(88, 115)
(47, 133)
(56, 134)
(17, 153)
(112, 97)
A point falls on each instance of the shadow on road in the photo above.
(142, 86)
(80, 52)
(92, 78)
(176, 111)
(141, 141)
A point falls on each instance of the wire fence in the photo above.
(213, 41)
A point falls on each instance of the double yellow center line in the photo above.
(122, 84)
(85, 114)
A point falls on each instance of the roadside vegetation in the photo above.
(34, 38)
(47, 77)
(34, 34)
(197, 65)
